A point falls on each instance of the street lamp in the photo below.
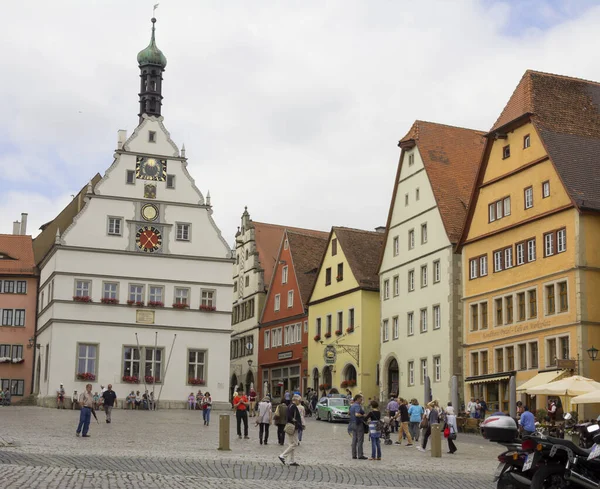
(592, 353)
(250, 363)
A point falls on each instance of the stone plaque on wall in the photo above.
(143, 316)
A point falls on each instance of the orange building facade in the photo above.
(283, 337)
(18, 299)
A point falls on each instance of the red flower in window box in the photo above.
(327, 335)
(139, 303)
(195, 381)
(339, 278)
(180, 305)
(130, 302)
(317, 337)
(108, 300)
(350, 329)
(338, 332)
(155, 304)
(351, 382)
(82, 298)
(86, 376)
(131, 379)
(149, 379)
(344, 384)
(208, 308)
(324, 387)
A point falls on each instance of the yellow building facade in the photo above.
(531, 262)
(343, 315)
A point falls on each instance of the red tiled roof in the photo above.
(16, 255)
(268, 239)
(451, 156)
(362, 250)
(307, 252)
(566, 113)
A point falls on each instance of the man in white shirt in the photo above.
(471, 408)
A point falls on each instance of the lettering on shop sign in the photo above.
(515, 329)
(284, 355)
(144, 317)
(329, 355)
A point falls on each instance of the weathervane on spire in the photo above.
(154, 10)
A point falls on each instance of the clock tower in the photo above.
(152, 63)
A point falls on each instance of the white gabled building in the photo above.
(135, 286)
(419, 271)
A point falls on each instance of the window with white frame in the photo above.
(424, 276)
(396, 285)
(267, 339)
(423, 370)
(182, 295)
(136, 293)
(437, 271)
(411, 239)
(110, 290)
(9, 287)
(424, 233)
(474, 363)
(386, 290)
(19, 319)
(290, 298)
(506, 203)
(22, 286)
(82, 288)
(411, 280)
(197, 365)
(423, 320)
(411, 159)
(7, 317)
(86, 358)
(530, 250)
(411, 373)
(305, 327)
(533, 355)
(526, 141)
(115, 226)
(183, 231)
(473, 267)
(385, 328)
(284, 275)
(207, 298)
(545, 189)
(437, 369)
(156, 294)
(437, 317)
(318, 326)
(497, 261)
(508, 257)
(410, 323)
(395, 328)
(298, 332)
(520, 250)
(499, 209)
(351, 318)
(561, 240)
(528, 197)
(277, 305)
(532, 302)
(522, 349)
(483, 266)
(548, 244)
(396, 246)
(131, 362)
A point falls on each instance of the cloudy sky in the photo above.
(293, 108)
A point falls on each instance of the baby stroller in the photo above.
(386, 430)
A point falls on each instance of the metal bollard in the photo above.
(224, 424)
(436, 440)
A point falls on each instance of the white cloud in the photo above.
(292, 108)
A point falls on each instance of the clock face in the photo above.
(147, 168)
(150, 212)
(148, 239)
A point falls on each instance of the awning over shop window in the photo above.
(487, 378)
(541, 379)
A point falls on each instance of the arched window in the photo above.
(315, 379)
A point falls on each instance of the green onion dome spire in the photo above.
(152, 55)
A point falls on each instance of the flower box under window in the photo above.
(338, 332)
(344, 384)
(181, 305)
(317, 337)
(208, 308)
(86, 376)
(149, 379)
(82, 298)
(324, 387)
(108, 300)
(156, 304)
(131, 379)
(5, 359)
(350, 329)
(195, 381)
(327, 335)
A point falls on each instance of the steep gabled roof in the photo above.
(44, 241)
(268, 238)
(451, 156)
(307, 251)
(16, 255)
(566, 113)
(362, 250)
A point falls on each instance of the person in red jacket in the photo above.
(240, 404)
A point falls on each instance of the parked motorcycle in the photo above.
(512, 472)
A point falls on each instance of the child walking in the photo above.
(191, 401)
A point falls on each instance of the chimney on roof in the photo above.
(23, 223)
(121, 138)
(380, 229)
(16, 227)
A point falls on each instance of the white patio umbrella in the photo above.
(589, 398)
(570, 386)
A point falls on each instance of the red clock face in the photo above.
(148, 239)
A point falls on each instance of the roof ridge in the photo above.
(299, 233)
(564, 77)
(357, 230)
(451, 126)
(284, 226)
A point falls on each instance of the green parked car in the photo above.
(333, 409)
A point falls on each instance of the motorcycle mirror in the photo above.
(592, 428)
(567, 416)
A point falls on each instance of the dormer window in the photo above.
(151, 136)
(411, 159)
(506, 152)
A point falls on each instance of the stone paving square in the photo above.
(173, 449)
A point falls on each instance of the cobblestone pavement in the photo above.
(172, 449)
